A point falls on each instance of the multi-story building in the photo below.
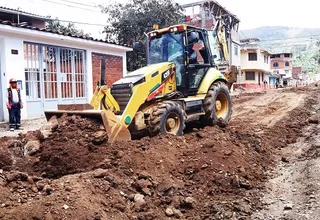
(281, 63)
(204, 13)
(255, 65)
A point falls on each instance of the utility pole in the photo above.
(18, 15)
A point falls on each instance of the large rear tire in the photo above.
(217, 105)
(167, 117)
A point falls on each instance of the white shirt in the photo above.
(15, 96)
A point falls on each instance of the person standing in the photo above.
(265, 85)
(14, 105)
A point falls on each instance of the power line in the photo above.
(77, 3)
(68, 5)
(84, 23)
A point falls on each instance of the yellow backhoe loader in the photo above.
(180, 83)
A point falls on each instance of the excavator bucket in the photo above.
(116, 131)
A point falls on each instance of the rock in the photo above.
(140, 204)
(34, 188)
(144, 175)
(169, 212)
(177, 213)
(31, 147)
(228, 153)
(189, 202)
(199, 135)
(123, 194)
(68, 188)
(100, 173)
(138, 197)
(119, 206)
(241, 206)
(99, 137)
(313, 119)
(288, 206)
(131, 197)
(48, 216)
(105, 164)
(119, 154)
(65, 206)
(47, 189)
(204, 166)
(245, 184)
(16, 175)
(284, 159)
(176, 201)
(142, 183)
(146, 191)
(221, 123)
(146, 216)
(242, 169)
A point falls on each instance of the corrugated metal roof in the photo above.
(9, 23)
(16, 11)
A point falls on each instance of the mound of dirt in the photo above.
(209, 173)
(162, 176)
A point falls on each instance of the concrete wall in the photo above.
(263, 77)
(12, 65)
(258, 64)
(236, 54)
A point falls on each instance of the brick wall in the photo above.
(114, 68)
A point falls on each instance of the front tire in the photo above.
(167, 117)
(217, 104)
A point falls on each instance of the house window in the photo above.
(236, 50)
(287, 55)
(287, 63)
(252, 56)
(265, 59)
(250, 75)
(275, 64)
(275, 56)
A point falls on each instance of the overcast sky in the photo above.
(252, 13)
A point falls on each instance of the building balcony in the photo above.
(255, 65)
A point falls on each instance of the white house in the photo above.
(52, 68)
(255, 65)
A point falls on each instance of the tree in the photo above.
(56, 25)
(130, 21)
(316, 55)
(309, 60)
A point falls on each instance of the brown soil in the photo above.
(209, 173)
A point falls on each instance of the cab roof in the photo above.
(185, 27)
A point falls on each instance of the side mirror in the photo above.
(136, 45)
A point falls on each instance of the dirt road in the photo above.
(262, 166)
(294, 190)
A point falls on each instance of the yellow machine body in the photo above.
(125, 107)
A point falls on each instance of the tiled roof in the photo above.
(16, 11)
(9, 23)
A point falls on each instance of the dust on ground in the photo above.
(67, 170)
(26, 126)
(293, 192)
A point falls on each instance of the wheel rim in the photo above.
(172, 123)
(222, 105)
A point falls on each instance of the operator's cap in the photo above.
(12, 80)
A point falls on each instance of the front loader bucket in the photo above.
(116, 131)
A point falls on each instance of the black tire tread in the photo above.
(208, 102)
(158, 110)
